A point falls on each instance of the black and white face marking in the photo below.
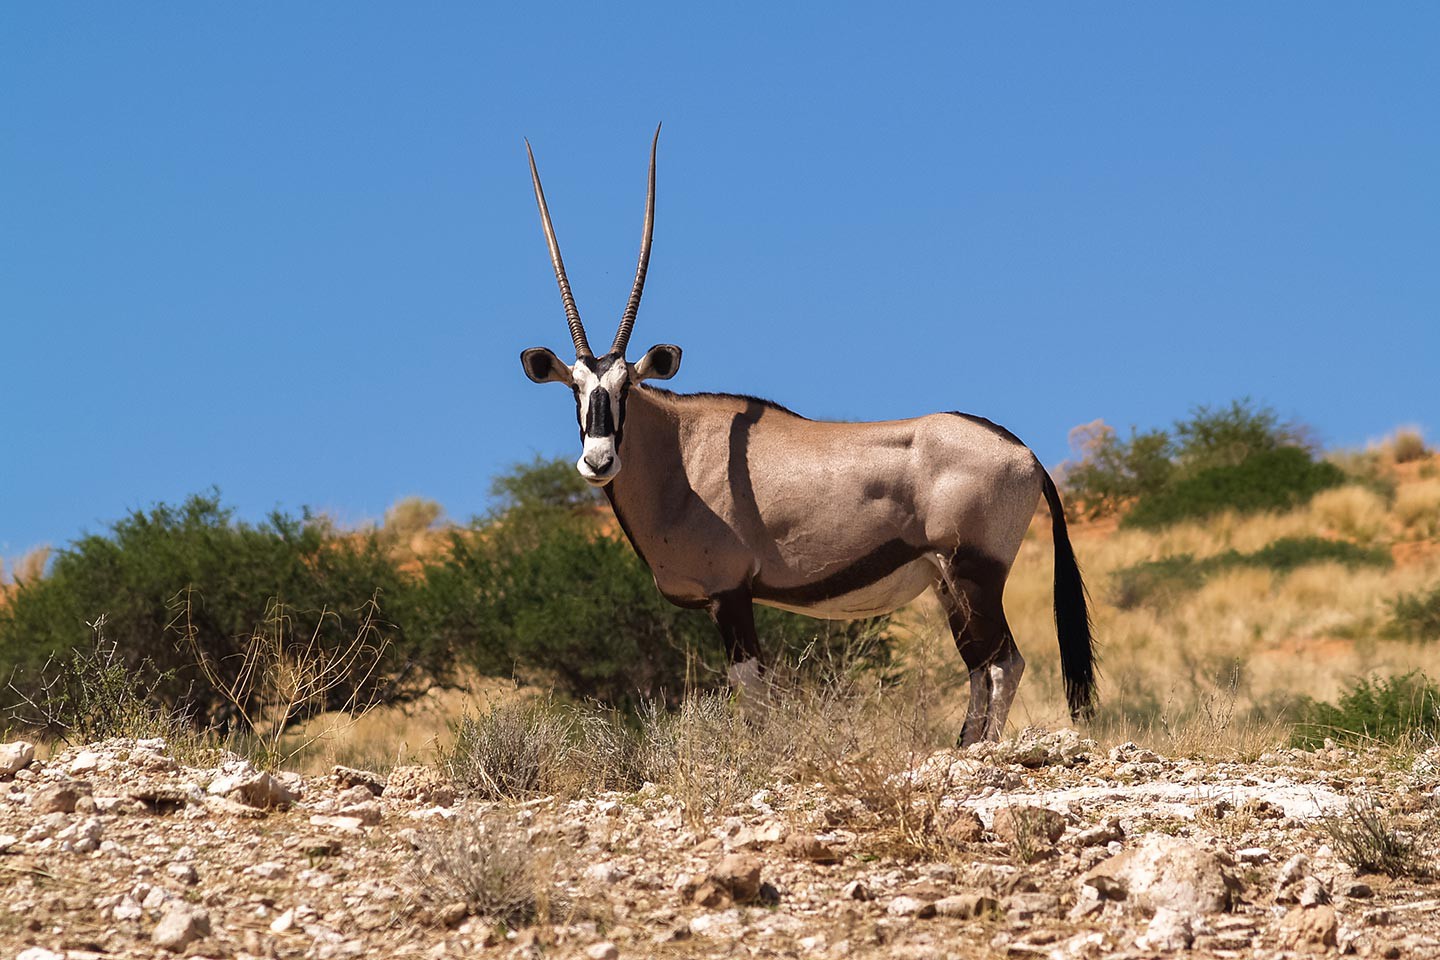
(600, 385)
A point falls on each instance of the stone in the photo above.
(184, 872)
(348, 777)
(1252, 855)
(419, 783)
(856, 890)
(344, 824)
(241, 782)
(182, 924)
(604, 950)
(1099, 835)
(725, 925)
(1308, 928)
(1168, 930)
(1165, 872)
(15, 756)
(965, 827)
(266, 870)
(1358, 890)
(58, 797)
(39, 953)
(966, 906)
(805, 846)
(738, 875)
(1031, 906)
(904, 906)
(368, 813)
(605, 873)
(1022, 823)
(1311, 892)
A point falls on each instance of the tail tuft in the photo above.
(1072, 614)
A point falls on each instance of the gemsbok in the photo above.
(731, 500)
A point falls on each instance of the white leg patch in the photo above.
(1005, 678)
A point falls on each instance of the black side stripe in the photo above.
(599, 423)
(871, 568)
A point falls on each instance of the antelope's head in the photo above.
(600, 384)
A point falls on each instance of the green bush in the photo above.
(1273, 480)
(1155, 579)
(1238, 457)
(196, 565)
(1385, 709)
(1415, 616)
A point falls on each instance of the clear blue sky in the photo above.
(291, 249)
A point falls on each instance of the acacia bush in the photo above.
(1240, 457)
(159, 574)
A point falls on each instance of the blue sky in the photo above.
(290, 250)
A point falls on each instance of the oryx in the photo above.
(732, 500)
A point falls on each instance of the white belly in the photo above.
(883, 596)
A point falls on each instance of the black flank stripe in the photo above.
(871, 568)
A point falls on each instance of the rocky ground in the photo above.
(1042, 846)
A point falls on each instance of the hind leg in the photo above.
(970, 590)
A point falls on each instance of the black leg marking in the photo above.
(971, 590)
(734, 613)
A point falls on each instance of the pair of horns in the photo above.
(572, 314)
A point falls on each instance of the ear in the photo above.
(659, 363)
(542, 366)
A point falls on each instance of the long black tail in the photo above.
(1072, 617)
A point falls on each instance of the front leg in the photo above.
(734, 614)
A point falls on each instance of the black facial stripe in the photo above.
(599, 423)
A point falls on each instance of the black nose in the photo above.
(600, 466)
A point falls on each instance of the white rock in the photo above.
(266, 870)
(1165, 872)
(1168, 930)
(39, 953)
(183, 924)
(343, 824)
(284, 922)
(606, 872)
(86, 761)
(604, 950)
(1252, 855)
(723, 925)
(903, 906)
(15, 756)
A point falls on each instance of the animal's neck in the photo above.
(650, 462)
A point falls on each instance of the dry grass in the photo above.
(1355, 513)
(1417, 507)
(486, 865)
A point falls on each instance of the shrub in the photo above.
(1415, 616)
(514, 751)
(1417, 506)
(1228, 436)
(1387, 709)
(91, 693)
(1351, 511)
(1113, 472)
(488, 863)
(1274, 480)
(1157, 579)
(1372, 840)
(1407, 445)
(1235, 457)
(225, 576)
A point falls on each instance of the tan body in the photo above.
(722, 491)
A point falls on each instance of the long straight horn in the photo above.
(627, 322)
(572, 314)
